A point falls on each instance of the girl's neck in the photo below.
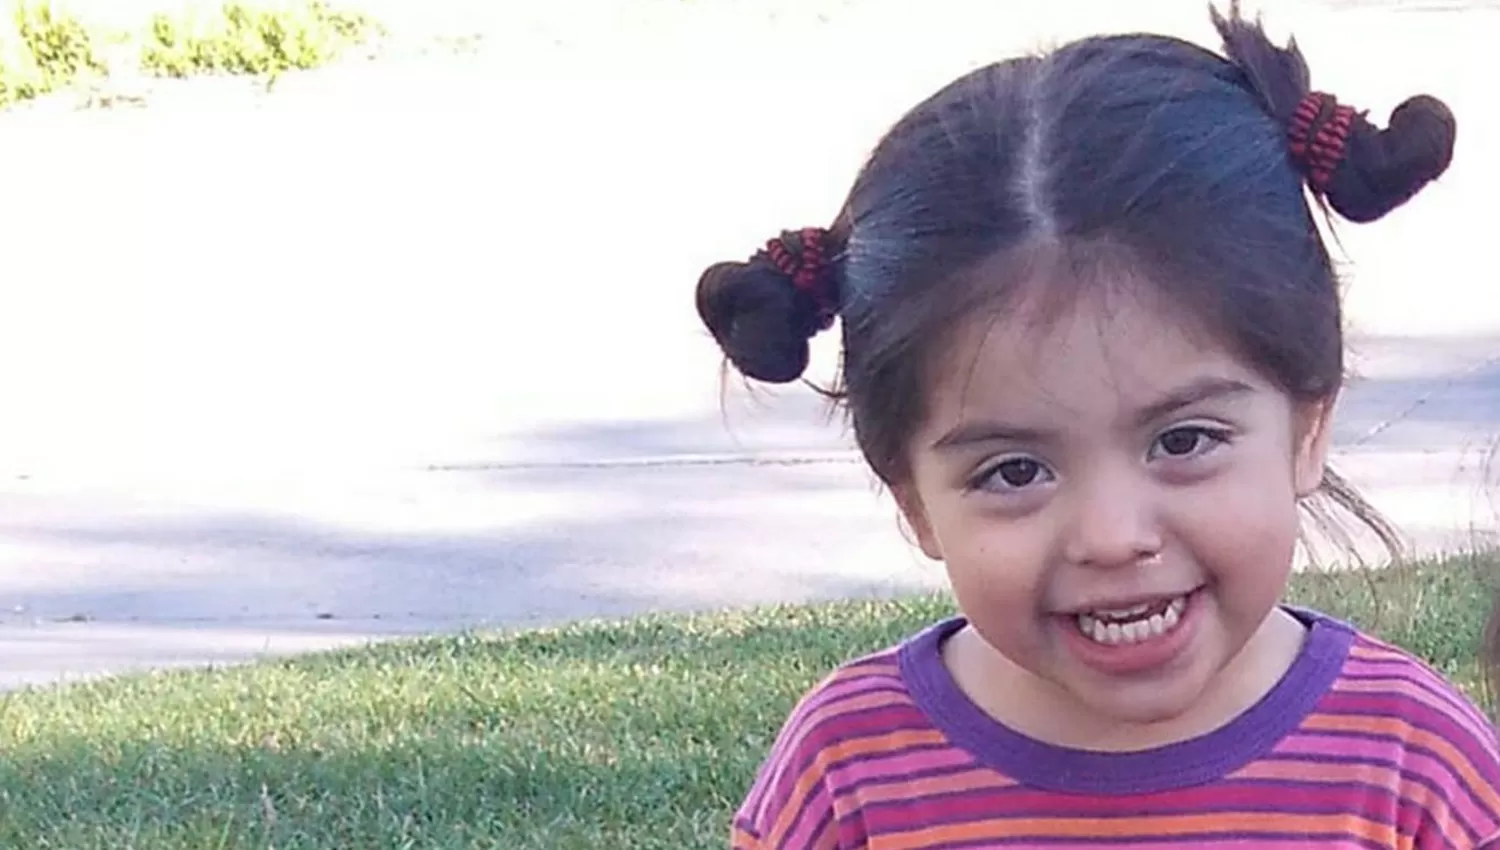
(1038, 709)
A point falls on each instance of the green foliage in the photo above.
(45, 49)
(42, 50)
(242, 39)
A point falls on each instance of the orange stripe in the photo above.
(831, 709)
(821, 705)
(827, 837)
(1366, 651)
(1321, 773)
(1405, 688)
(977, 779)
(888, 741)
(1184, 826)
(1396, 686)
(1393, 686)
(1487, 796)
(850, 748)
(834, 709)
(1324, 773)
(865, 668)
(739, 839)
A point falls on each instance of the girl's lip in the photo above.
(1132, 659)
(1125, 602)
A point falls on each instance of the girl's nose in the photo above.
(1113, 520)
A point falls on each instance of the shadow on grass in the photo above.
(456, 789)
(448, 794)
(641, 734)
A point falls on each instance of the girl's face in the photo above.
(1115, 499)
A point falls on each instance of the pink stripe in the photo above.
(1422, 685)
(852, 682)
(810, 820)
(789, 760)
(875, 729)
(802, 754)
(862, 774)
(799, 728)
(1409, 762)
(881, 718)
(1233, 798)
(1417, 714)
(837, 693)
(1259, 843)
(794, 748)
(1398, 688)
(1455, 709)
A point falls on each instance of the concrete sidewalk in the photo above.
(600, 521)
(458, 382)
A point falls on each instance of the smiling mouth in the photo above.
(1138, 623)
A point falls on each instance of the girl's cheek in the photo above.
(1001, 564)
(1239, 509)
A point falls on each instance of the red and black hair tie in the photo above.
(1318, 135)
(801, 256)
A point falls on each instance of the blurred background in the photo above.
(408, 344)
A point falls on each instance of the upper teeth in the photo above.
(1135, 630)
(1124, 613)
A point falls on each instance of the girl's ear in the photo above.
(915, 514)
(1312, 434)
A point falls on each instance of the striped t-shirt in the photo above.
(1358, 746)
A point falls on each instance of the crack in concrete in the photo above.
(850, 457)
(1420, 401)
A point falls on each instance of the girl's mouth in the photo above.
(1138, 623)
(1134, 640)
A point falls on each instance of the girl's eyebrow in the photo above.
(970, 433)
(1209, 388)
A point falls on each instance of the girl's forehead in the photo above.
(1099, 352)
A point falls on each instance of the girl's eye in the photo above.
(1014, 474)
(1188, 440)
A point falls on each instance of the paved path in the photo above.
(458, 381)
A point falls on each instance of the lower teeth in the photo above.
(1132, 631)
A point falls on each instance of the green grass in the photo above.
(640, 734)
(44, 48)
(240, 38)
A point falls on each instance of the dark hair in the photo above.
(1136, 150)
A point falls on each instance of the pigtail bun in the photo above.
(1362, 171)
(1384, 169)
(763, 312)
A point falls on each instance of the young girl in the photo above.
(1092, 343)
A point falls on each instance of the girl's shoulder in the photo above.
(1387, 684)
(868, 696)
(861, 714)
(1391, 710)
